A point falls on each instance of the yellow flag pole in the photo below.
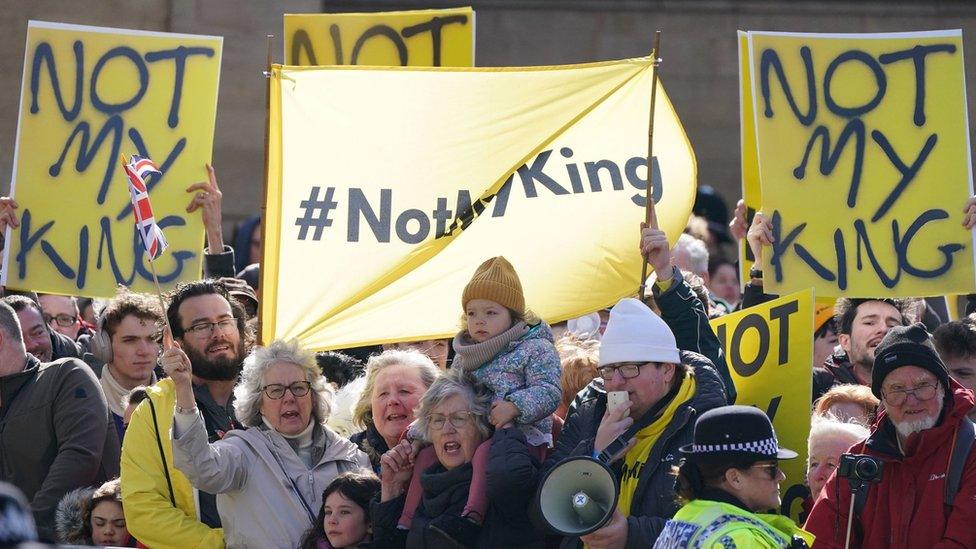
(650, 215)
(152, 267)
(267, 164)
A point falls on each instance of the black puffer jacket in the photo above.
(372, 444)
(687, 317)
(836, 370)
(654, 500)
(511, 476)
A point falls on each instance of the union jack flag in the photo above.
(152, 236)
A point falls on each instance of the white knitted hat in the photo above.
(635, 334)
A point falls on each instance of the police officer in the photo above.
(731, 473)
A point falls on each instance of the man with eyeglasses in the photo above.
(920, 433)
(665, 390)
(61, 314)
(40, 340)
(162, 508)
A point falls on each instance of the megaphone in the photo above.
(577, 496)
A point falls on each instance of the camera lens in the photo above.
(866, 468)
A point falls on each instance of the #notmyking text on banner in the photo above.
(863, 156)
(434, 38)
(410, 178)
(89, 93)
(769, 350)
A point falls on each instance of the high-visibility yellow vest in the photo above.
(715, 525)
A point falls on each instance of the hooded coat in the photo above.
(836, 370)
(69, 517)
(905, 510)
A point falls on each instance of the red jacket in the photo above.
(905, 510)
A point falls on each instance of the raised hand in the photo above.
(396, 468)
(175, 363)
(739, 226)
(209, 200)
(760, 234)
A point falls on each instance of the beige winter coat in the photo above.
(257, 478)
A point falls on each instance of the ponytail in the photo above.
(689, 483)
(694, 476)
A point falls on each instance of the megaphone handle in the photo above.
(612, 449)
(615, 447)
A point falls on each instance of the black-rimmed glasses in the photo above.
(627, 371)
(62, 320)
(206, 329)
(277, 390)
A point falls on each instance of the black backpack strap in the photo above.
(960, 454)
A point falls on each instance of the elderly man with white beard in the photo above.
(924, 440)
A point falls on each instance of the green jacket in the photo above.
(715, 525)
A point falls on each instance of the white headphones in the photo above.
(101, 342)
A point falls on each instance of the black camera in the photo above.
(860, 467)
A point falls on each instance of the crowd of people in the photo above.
(133, 421)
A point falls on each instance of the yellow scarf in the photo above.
(634, 459)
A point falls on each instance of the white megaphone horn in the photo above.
(579, 494)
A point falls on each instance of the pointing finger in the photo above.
(212, 175)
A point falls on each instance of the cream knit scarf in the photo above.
(115, 393)
(470, 356)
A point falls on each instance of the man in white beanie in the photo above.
(666, 389)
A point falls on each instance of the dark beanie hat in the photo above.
(907, 346)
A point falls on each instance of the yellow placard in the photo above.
(432, 38)
(864, 162)
(392, 185)
(90, 94)
(769, 349)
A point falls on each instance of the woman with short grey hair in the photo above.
(478, 404)
(395, 382)
(249, 390)
(453, 417)
(269, 478)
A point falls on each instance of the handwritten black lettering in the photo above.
(881, 83)
(917, 54)
(769, 60)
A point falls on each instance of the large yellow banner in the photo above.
(390, 186)
(864, 162)
(436, 38)
(89, 94)
(769, 349)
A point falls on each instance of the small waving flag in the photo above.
(152, 236)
